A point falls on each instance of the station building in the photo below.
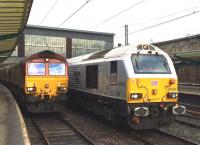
(66, 42)
(185, 53)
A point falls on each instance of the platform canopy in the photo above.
(13, 19)
(188, 54)
(186, 57)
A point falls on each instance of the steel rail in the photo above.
(39, 129)
(68, 130)
(177, 137)
(77, 130)
(188, 123)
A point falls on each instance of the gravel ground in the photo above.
(189, 133)
(34, 135)
(101, 133)
(191, 120)
(156, 138)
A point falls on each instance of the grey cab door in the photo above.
(106, 79)
(113, 78)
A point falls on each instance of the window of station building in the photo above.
(84, 46)
(193, 45)
(37, 43)
(113, 73)
(92, 77)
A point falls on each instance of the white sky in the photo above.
(145, 14)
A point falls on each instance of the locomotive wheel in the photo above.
(124, 123)
(115, 120)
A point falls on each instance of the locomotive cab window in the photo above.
(150, 64)
(36, 69)
(56, 69)
(113, 73)
(92, 77)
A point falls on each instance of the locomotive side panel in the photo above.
(109, 89)
(4, 77)
(121, 77)
(13, 74)
(75, 77)
(83, 77)
(106, 79)
(17, 75)
(113, 74)
(100, 78)
(92, 77)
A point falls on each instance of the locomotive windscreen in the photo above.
(57, 69)
(36, 69)
(150, 64)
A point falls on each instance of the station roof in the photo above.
(69, 30)
(177, 40)
(188, 54)
(186, 57)
(13, 19)
(183, 57)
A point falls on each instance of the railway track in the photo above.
(193, 110)
(56, 131)
(175, 137)
(190, 116)
(189, 120)
(191, 107)
(53, 130)
(34, 134)
(160, 136)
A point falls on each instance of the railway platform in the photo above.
(12, 127)
(189, 94)
(189, 89)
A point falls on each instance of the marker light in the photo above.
(154, 91)
(145, 47)
(30, 89)
(61, 89)
(172, 81)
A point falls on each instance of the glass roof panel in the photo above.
(10, 18)
(4, 14)
(10, 10)
(12, 5)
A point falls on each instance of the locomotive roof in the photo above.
(46, 54)
(116, 52)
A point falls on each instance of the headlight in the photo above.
(172, 95)
(31, 89)
(136, 96)
(61, 88)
